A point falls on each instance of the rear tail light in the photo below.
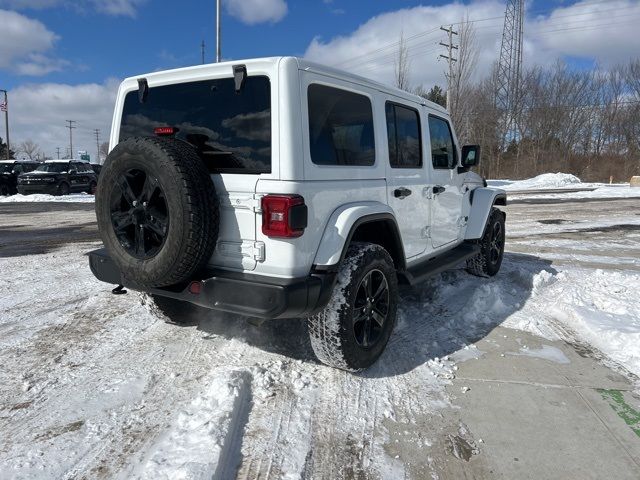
(283, 216)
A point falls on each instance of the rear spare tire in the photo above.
(157, 211)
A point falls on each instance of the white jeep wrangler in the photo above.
(278, 188)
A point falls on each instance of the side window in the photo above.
(403, 135)
(340, 127)
(18, 168)
(443, 154)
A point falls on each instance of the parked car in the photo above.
(279, 188)
(96, 168)
(9, 172)
(59, 177)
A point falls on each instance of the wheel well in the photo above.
(383, 232)
(501, 200)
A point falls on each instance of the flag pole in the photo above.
(6, 119)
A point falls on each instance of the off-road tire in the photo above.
(484, 264)
(191, 201)
(331, 331)
(63, 189)
(177, 311)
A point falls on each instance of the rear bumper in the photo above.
(251, 295)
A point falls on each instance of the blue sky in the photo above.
(63, 59)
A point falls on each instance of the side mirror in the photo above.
(470, 157)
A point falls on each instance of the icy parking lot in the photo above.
(528, 374)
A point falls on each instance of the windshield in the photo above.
(230, 131)
(53, 167)
(6, 167)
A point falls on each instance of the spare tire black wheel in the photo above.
(157, 211)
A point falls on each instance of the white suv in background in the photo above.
(279, 188)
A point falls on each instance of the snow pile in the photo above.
(544, 181)
(599, 306)
(41, 197)
(205, 437)
(621, 190)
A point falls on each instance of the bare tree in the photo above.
(30, 149)
(461, 84)
(402, 65)
(104, 149)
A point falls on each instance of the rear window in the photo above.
(340, 127)
(230, 131)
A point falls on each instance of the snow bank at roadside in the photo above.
(546, 180)
(41, 197)
(599, 306)
(603, 191)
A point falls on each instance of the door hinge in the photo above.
(259, 251)
(462, 221)
(426, 232)
(249, 202)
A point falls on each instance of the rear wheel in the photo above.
(487, 262)
(63, 189)
(353, 330)
(177, 311)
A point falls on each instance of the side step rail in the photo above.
(438, 264)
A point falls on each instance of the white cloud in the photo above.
(253, 12)
(568, 31)
(109, 7)
(38, 112)
(24, 43)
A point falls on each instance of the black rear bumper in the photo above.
(251, 295)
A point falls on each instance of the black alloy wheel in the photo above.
(139, 214)
(371, 308)
(496, 243)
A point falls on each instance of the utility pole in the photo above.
(202, 51)
(450, 60)
(97, 134)
(5, 108)
(218, 46)
(70, 127)
(58, 152)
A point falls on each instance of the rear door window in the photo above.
(443, 154)
(340, 127)
(230, 131)
(403, 134)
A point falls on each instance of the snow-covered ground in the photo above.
(42, 197)
(555, 183)
(544, 181)
(95, 385)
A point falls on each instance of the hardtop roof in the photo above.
(302, 65)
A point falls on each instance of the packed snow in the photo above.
(42, 197)
(544, 181)
(98, 385)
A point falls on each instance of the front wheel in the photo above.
(487, 262)
(353, 330)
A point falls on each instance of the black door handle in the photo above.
(401, 192)
(438, 189)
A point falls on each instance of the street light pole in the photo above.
(218, 46)
(6, 119)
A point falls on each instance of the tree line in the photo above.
(584, 122)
